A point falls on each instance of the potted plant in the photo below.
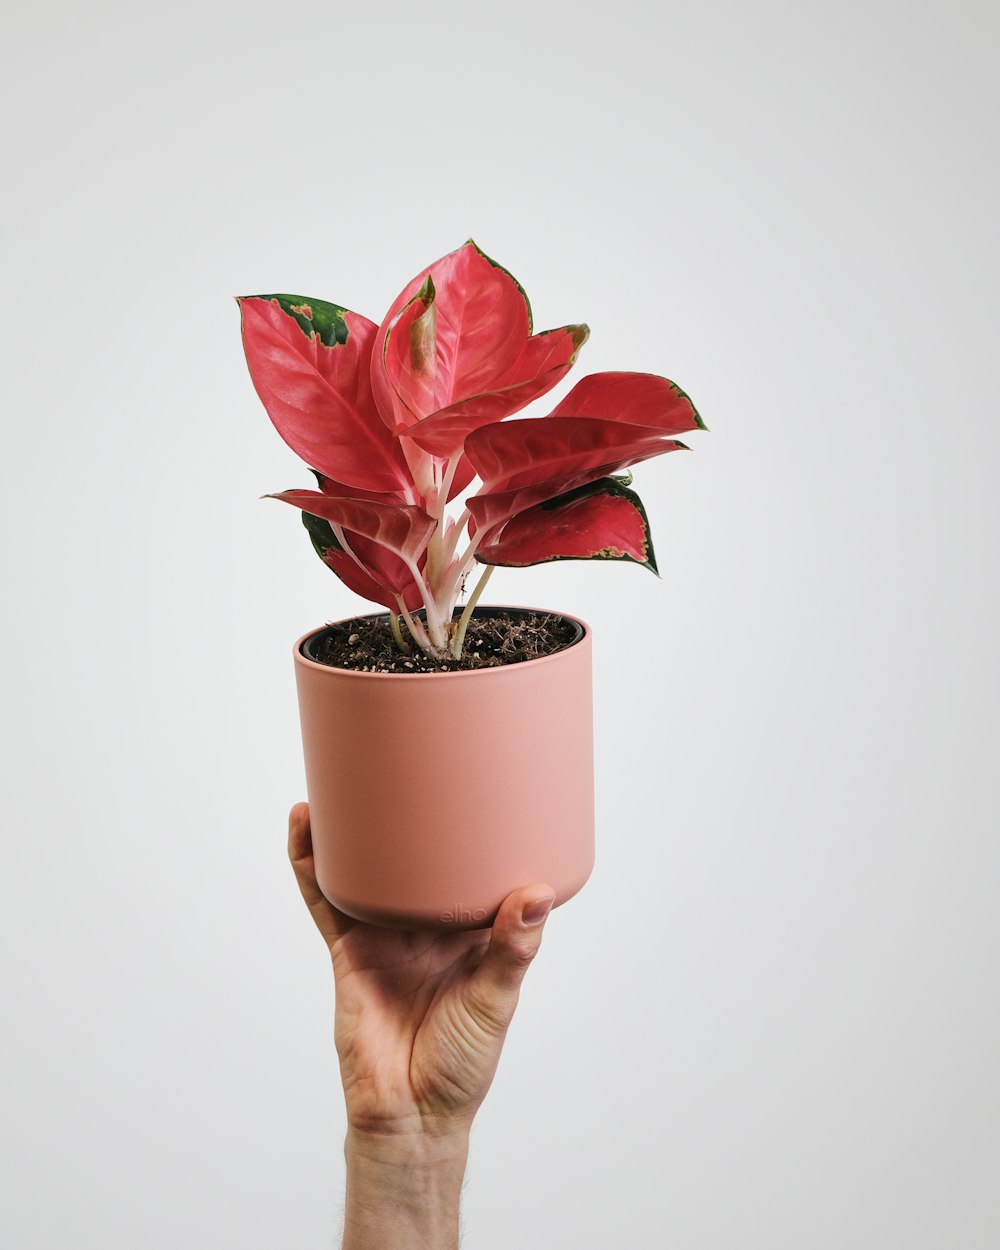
(448, 750)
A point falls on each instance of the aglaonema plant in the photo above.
(397, 420)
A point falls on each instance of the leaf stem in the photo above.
(470, 550)
(451, 541)
(435, 626)
(438, 555)
(401, 642)
(447, 479)
(461, 566)
(417, 631)
(463, 623)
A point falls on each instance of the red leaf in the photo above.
(402, 529)
(410, 356)
(526, 462)
(310, 362)
(533, 449)
(636, 398)
(603, 520)
(459, 330)
(544, 361)
(382, 589)
(340, 490)
(384, 575)
(361, 583)
(386, 569)
(463, 476)
(466, 282)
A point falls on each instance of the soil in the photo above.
(366, 644)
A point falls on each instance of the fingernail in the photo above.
(536, 911)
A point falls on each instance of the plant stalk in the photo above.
(401, 642)
(436, 629)
(417, 631)
(461, 566)
(451, 542)
(438, 554)
(463, 621)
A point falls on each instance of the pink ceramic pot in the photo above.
(433, 795)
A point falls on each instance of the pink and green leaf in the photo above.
(602, 520)
(310, 362)
(403, 529)
(362, 581)
(354, 578)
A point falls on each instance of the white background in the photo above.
(770, 1020)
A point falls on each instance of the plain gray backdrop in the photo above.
(770, 1020)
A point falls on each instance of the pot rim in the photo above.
(479, 673)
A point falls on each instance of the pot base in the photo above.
(451, 916)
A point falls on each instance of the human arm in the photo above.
(420, 1022)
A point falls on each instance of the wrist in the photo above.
(420, 1148)
(403, 1189)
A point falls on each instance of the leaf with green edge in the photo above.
(601, 520)
(402, 529)
(381, 590)
(310, 362)
(313, 316)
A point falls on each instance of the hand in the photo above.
(420, 1017)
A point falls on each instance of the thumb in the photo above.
(492, 990)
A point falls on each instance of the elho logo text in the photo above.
(462, 915)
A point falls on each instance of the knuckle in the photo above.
(522, 954)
